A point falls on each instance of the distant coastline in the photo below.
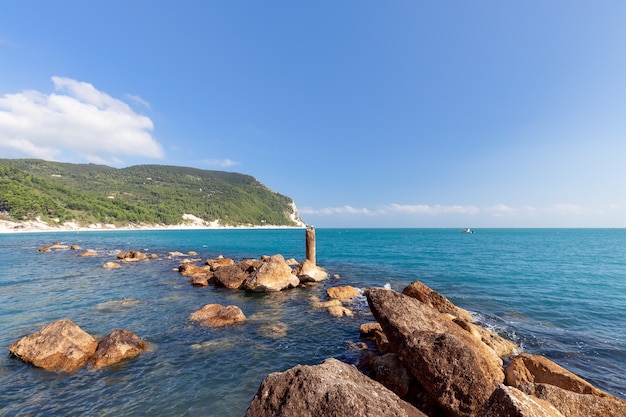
(39, 226)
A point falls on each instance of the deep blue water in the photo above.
(556, 292)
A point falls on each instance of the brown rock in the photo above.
(231, 276)
(75, 247)
(110, 265)
(367, 329)
(455, 369)
(389, 370)
(573, 404)
(87, 253)
(57, 245)
(538, 369)
(343, 293)
(511, 402)
(132, 256)
(199, 280)
(188, 268)
(307, 271)
(118, 346)
(44, 249)
(332, 388)
(326, 304)
(60, 346)
(273, 275)
(153, 256)
(218, 263)
(426, 295)
(216, 315)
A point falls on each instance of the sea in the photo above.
(560, 293)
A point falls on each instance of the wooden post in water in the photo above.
(310, 244)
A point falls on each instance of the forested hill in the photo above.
(139, 195)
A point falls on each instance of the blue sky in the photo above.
(366, 113)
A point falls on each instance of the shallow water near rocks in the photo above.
(556, 292)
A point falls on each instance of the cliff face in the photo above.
(57, 193)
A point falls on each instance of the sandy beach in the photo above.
(38, 226)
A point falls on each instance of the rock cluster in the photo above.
(435, 362)
(62, 346)
(268, 274)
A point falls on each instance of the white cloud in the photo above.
(77, 119)
(391, 209)
(222, 163)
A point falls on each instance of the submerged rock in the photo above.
(216, 315)
(343, 293)
(60, 346)
(111, 265)
(332, 388)
(116, 347)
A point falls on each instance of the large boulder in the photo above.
(188, 268)
(499, 344)
(118, 346)
(307, 271)
(571, 395)
(332, 388)
(456, 370)
(573, 404)
(510, 402)
(273, 275)
(428, 296)
(539, 369)
(216, 315)
(60, 346)
(231, 276)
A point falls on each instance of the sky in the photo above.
(367, 113)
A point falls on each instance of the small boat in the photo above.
(467, 230)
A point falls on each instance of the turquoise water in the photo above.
(556, 292)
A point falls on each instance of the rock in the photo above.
(307, 271)
(188, 268)
(326, 304)
(110, 265)
(367, 329)
(118, 346)
(153, 256)
(60, 346)
(216, 315)
(57, 245)
(511, 402)
(132, 256)
(455, 369)
(44, 249)
(340, 311)
(291, 262)
(273, 275)
(199, 280)
(192, 253)
(538, 369)
(426, 295)
(389, 371)
(343, 293)
(74, 247)
(87, 253)
(573, 404)
(214, 264)
(499, 344)
(231, 276)
(175, 253)
(332, 388)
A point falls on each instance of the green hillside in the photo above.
(140, 195)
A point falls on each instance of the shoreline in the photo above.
(9, 227)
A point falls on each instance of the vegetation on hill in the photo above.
(142, 195)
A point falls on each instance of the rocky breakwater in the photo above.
(431, 360)
(62, 346)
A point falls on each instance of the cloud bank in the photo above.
(77, 119)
